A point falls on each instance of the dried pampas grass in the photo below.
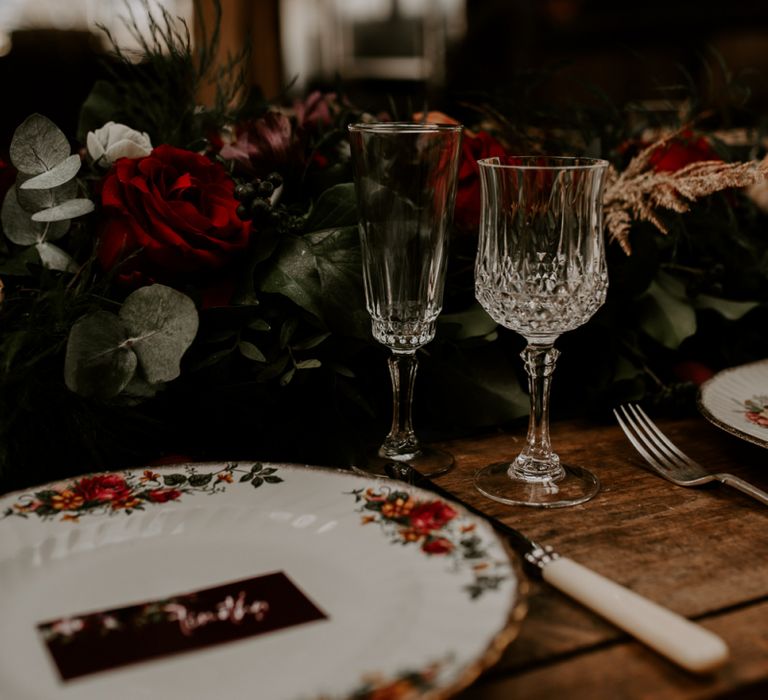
(639, 192)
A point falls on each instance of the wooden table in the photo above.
(701, 552)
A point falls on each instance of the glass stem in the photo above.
(537, 461)
(401, 443)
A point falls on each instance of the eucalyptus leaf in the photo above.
(38, 145)
(58, 175)
(35, 200)
(162, 323)
(19, 227)
(17, 223)
(66, 210)
(97, 363)
(54, 258)
(139, 388)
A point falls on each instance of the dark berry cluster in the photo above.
(254, 198)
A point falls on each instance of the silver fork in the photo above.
(667, 460)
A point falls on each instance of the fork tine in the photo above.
(664, 443)
(640, 441)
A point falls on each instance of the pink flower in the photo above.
(318, 109)
(265, 145)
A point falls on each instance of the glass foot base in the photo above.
(577, 486)
(428, 461)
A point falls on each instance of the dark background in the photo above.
(548, 51)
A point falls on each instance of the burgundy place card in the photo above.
(97, 641)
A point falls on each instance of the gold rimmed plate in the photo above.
(736, 400)
(405, 591)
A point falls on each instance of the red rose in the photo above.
(439, 545)
(473, 148)
(681, 151)
(164, 495)
(106, 487)
(170, 215)
(426, 517)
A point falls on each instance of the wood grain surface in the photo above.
(702, 552)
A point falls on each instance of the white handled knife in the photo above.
(686, 643)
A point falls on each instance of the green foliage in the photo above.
(154, 328)
(38, 210)
(158, 94)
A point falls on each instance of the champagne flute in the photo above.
(405, 179)
(540, 271)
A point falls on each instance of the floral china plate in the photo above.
(736, 400)
(244, 580)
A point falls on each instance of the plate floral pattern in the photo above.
(736, 400)
(430, 524)
(128, 491)
(344, 539)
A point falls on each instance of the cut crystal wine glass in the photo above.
(405, 178)
(540, 271)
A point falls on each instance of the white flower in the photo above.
(115, 141)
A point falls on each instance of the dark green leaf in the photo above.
(471, 323)
(666, 313)
(285, 380)
(267, 472)
(198, 480)
(293, 274)
(335, 207)
(213, 358)
(732, 310)
(246, 477)
(38, 145)
(287, 330)
(309, 364)
(162, 324)
(18, 264)
(97, 363)
(258, 324)
(256, 468)
(339, 267)
(273, 480)
(250, 351)
(257, 481)
(174, 479)
(310, 343)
